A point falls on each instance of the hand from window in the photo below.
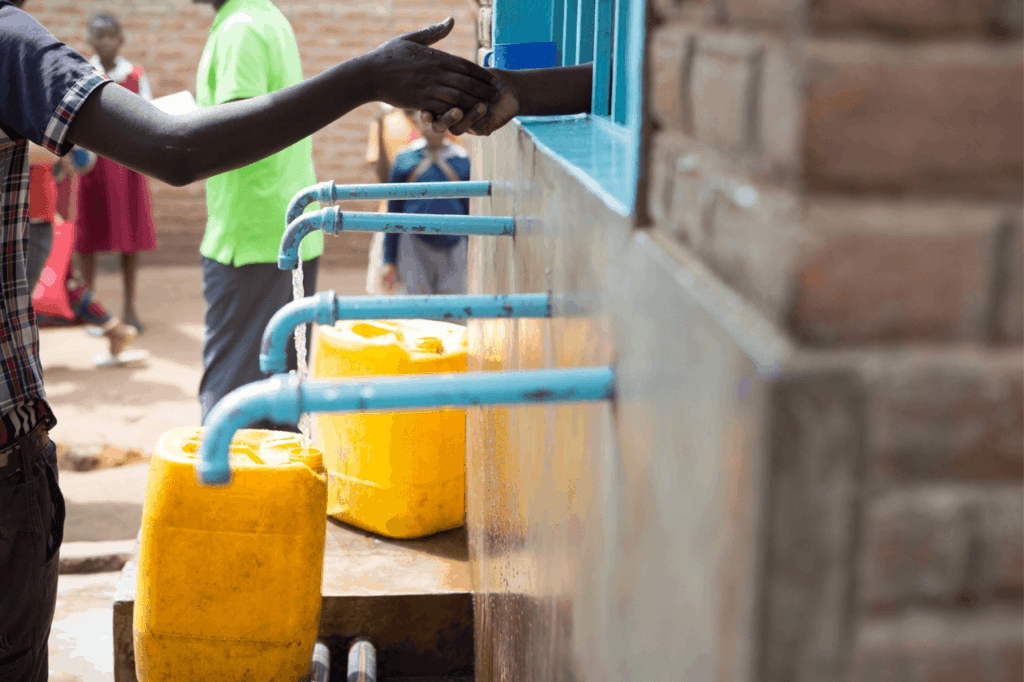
(408, 74)
(484, 118)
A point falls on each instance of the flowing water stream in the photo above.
(300, 352)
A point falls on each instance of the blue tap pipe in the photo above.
(327, 193)
(282, 398)
(415, 190)
(332, 220)
(323, 192)
(326, 308)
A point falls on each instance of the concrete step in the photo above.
(411, 598)
(95, 557)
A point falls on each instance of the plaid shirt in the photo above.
(22, 400)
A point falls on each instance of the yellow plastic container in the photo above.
(399, 474)
(229, 577)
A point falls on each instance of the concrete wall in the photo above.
(833, 183)
(166, 38)
(612, 542)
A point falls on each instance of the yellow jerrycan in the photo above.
(229, 577)
(399, 474)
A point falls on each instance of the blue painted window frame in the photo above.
(602, 148)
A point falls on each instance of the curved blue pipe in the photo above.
(253, 402)
(323, 192)
(332, 220)
(328, 192)
(282, 399)
(414, 190)
(326, 308)
(325, 219)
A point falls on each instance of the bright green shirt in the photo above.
(252, 51)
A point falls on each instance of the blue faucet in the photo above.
(282, 398)
(327, 308)
(333, 220)
(327, 193)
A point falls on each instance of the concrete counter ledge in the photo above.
(411, 598)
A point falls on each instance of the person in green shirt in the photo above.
(251, 51)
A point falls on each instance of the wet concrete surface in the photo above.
(81, 638)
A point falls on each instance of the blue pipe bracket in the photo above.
(333, 220)
(328, 193)
(283, 398)
(327, 308)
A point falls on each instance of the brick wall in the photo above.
(854, 170)
(166, 38)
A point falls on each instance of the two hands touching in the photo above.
(452, 93)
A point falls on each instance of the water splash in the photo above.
(300, 352)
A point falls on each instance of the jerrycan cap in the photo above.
(312, 458)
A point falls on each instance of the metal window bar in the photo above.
(585, 31)
(557, 27)
(570, 14)
(620, 50)
(602, 87)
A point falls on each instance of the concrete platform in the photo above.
(411, 598)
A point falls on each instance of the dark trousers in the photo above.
(31, 531)
(239, 303)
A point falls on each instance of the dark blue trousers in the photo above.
(239, 303)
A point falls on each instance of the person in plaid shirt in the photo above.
(51, 95)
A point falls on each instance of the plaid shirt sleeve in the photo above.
(43, 86)
(57, 129)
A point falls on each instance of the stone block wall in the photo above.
(851, 170)
(166, 37)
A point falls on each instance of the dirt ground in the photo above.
(128, 408)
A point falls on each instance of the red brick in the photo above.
(671, 54)
(723, 83)
(942, 121)
(779, 111)
(917, 18)
(770, 13)
(955, 665)
(73, 9)
(696, 10)
(677, 202)
(948, 416)
(860, 288)
(917, 547)
(1002, 546)
(978, 645)
(1009, 295)
(1008, 664)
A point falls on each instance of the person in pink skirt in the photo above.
(114, 210)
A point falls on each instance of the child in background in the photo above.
(113, 205)
(427, 264)
(390, 133)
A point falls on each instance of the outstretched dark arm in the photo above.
(403, 72)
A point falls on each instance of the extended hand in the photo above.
(409, 75)
(483, 119)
